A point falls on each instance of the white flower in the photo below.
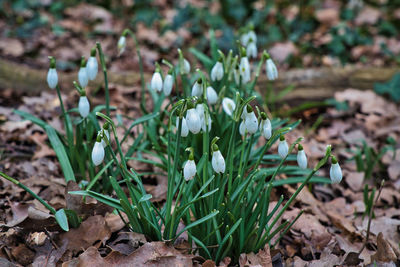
(251, 50)
(228, 105)
(84, 106)
(184, 129)
(107, 134)
(83, 77)
(212, 96)
(52, 78)
(97, 153)
(200, 110)
(266, 129)
(189, 170)
(168, 84)
(121, 45)
(204, 123)
(251, 122)
(217, 72)
(185, 67)
(245, 69)
(92, 68)
(193, 121)
(335, 172)
(218, 162)
(283, 148)
(244, 39)
(242, 128)
(270, 68)
(251, 35)
(197, 89)
(302, 159)
(156, 82)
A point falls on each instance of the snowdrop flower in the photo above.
(228, 105)
(251, 50)
(52, 77)
(106, 126)
(245, 68)
(250, 121)
(283, 148)
(197, 89)
(84, 106)
(193, 120)
(265, 126)
(217, 161)
(242, 128)
(244, 39)
(251, 35)
(212, 96)
(184, 129)
(236, 74)
(168, 83)
(335, 171)
(184, 65)
(206, 122)
(82, 74)
(121, 44)
(189, 170)
(301, 157)
(156, 83)
(270, 68)
(92, 66)
(217, 72)
(98, 152)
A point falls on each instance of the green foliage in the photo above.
(391, 88)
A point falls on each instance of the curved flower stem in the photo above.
(104, 68)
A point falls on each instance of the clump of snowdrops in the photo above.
(205, 142)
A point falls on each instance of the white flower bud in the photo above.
(212, 96)
(92, 68)
(245, 69)
(107, 134)
(270, 68)
(184, 129)
(121, 45)
(218, 162)
(84, 106)
(97, 153)
(189, 170)
(228, 105)
(283, 148)
(52, 78)
(217, 72)
(266, 129)
(251, 122)
(251, 50)
(186, 66)
(156, 83)
(168, 84)
(302, 159)
(242, 128)
(193, 121)
(83, 77)
(336, 173)
(197, 89)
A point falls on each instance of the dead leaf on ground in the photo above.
(385, 252)
(261, 259)
(368, 15)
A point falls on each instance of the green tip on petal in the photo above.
(334, 160)
(249, 109)
(93, 52)
(52, 62)
(215, 147)
(98, 138)
(282, 138)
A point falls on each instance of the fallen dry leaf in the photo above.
(261, 259)
(384, 252)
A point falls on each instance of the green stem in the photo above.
(104, 67)
(231, 156)
(246, 159)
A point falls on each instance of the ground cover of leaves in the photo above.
(330, 232)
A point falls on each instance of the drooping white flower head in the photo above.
(251, 50)
(168, 84)
(106, 126)
(245, 69)
(156, 83)
(121, 44)
(98, 152)
(184, 129)
(200, 110)
(206, 121)
(84, 106)
(301, 157)
(335, 172)
(250, 121)
(217, 72)
(189, 170)
(82, 74)
(228, 105)
(197, 89)
(242, 128)
(186, 66)
(270, 68)
(212, 96)
(52, 78)
(92, 65)
(265, 126)
(193, 120)
(245, 38)
(283, 148)
(217, 161)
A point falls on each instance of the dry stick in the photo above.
(370, 218)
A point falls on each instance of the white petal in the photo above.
(52, 78)
(283, 149)
(251, 35)
(156, 82)
(218, 162)
(204, 125)
(121, 44)
(168, 83)
(242, 128)
(83, 77)
(189, 170)
(272, 72)
(97, 153)
(197, 89)
(107, 133)
(184, 129)
(217, 72)
(302, 159)
(336, 173)
(84, 106)
(193, 121)
(245, 69)
(92, 68)
(228, 105)
(212, 96)
(251, 122)
(251, 50)
(186, 66)
(266, 129)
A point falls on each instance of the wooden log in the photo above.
(310, 84)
